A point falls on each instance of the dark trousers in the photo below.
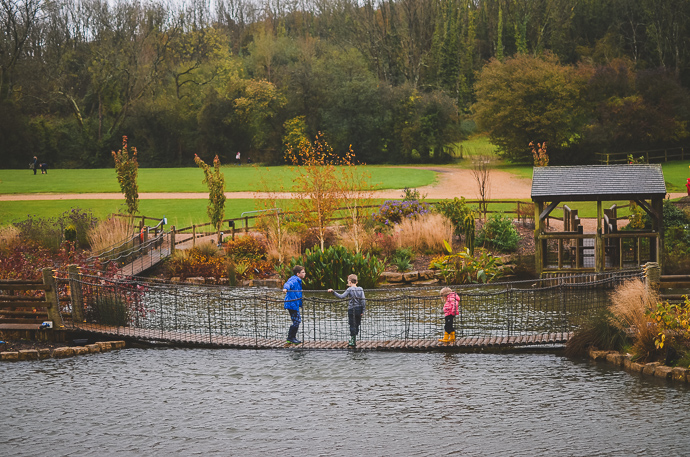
(449, 324)
(354, 318)
(296, 320)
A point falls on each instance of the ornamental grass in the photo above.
(109, 233)
(425, 234)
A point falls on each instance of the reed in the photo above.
(630, 303)
(110, 232)
(425, 234)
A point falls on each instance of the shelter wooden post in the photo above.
(658, 226)
(599, 254)
(538, 230)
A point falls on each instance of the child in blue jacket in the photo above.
(293, 301)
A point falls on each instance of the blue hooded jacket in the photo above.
(293, 297)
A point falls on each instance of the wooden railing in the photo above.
(232, 226)
(28, 311)
(652, 155)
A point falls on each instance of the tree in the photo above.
(215, 180)
(319, 193)
(529, 99)
(127, 169)
(357, 192)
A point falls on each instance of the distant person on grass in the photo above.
(293, 301)
(34, 164)
(355, 306)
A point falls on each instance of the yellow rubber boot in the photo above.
(452, 337)
(446, 338)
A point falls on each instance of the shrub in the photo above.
(50, 232)
(330, 268)
(394, 212)
(465, 268)
(109, 309)
(82, 222)
(71, 233)
(597, 331)
(198, 261)
(40, 230)
(499, 233)
(456, 210)
(673, 323)
(245, 248)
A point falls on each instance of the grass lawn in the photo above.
(676, 174)
(237, 179)
(180, 213)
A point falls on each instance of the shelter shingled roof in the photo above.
(598, 182)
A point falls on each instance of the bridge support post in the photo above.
(172, 240)
(52, 303)
(76, 294)
(652, 276)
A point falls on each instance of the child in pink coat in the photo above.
(451, 308)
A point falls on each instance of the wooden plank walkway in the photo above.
(191, 339)
(144, 262)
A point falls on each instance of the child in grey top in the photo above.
(355, 307)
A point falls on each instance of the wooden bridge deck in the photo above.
(144, 262)
(191, 339)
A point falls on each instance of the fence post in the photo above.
(246, 224)
(76, 294)
(193, 235)
(52, 303)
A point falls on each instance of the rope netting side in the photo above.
(212, 315)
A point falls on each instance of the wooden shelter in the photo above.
(572, 250)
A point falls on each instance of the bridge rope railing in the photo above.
(131, 255)
(214, 315)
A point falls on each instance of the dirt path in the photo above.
(452, 182)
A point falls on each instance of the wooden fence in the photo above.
(650, 156)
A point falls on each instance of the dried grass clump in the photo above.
(630, 302)
(9, 236)
(356, 238)
(426, 233)
(281, 246)
(110, 232)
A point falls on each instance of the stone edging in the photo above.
(60, 353)
(655, 369)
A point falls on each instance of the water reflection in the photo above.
(229, 402)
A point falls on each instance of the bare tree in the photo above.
(481, 170)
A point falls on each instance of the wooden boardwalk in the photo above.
(197, 340)
(143, 263)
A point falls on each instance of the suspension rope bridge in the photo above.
(538, 312)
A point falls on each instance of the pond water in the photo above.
(322, 403)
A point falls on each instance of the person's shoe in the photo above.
(293, 341)
(353, 341)
(452, 337)
(446, 338)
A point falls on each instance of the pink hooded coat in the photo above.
(450, 308)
